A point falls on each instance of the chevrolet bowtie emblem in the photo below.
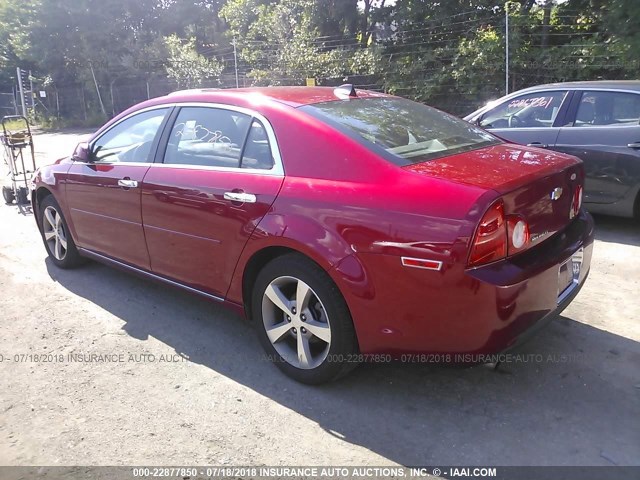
(556, 193)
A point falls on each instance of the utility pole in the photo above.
(506, 48)
(33, 98)
(14, 91)
(21, 88)
(104, 111)
(235, 61)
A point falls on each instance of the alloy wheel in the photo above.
(54, 234)
(296, 322)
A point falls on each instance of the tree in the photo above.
(281, 42)
(450, 54)
(187, 66)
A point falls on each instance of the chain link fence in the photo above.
(8, 104)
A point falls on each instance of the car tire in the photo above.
(7, 194)
(314, 344)
(55, 235)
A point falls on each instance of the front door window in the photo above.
(533, 110)
(130, 140)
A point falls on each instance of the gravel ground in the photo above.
(187, 383)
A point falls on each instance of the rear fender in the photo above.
(297, 233)
(627, 206)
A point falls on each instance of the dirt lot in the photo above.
(214, 400)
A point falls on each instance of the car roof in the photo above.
(292, 96)
(594, 84)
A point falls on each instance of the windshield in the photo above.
(402, 131)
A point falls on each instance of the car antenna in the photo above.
(345, 91)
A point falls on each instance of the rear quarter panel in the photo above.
(341, 205)
(358, 233)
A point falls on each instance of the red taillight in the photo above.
(490, 240)
(498, 235)
(576, 202)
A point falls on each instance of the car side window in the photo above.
(608, 108)
(257, 151)
(130, 140)
(207, 136)
(533, 110)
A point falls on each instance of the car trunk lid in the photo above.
(534, 183)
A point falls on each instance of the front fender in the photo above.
(51, 179)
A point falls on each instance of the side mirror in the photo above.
(82, 153)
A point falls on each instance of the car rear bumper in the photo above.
(484, 310)
(544, 321)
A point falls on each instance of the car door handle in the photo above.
(127, 183)
(240, 197)
(537, 144)
(634, 145)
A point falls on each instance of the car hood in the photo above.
(502, 167)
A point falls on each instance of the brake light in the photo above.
(490, 240)
(576, 203)
(498, 235)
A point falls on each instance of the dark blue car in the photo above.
(598, 122)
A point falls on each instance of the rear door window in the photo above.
(257, 150)
(207, 136)
(608, 108)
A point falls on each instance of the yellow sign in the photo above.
(311, 82)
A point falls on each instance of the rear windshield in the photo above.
(402, 131)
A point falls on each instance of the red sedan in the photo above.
(347, 225)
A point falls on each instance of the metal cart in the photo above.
(16, 138)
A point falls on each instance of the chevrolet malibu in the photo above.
(345, 224)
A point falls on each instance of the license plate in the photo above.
(569, 274)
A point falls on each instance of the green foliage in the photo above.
(450, 54)
(282, 41)
(186, 65)
(16, 21)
